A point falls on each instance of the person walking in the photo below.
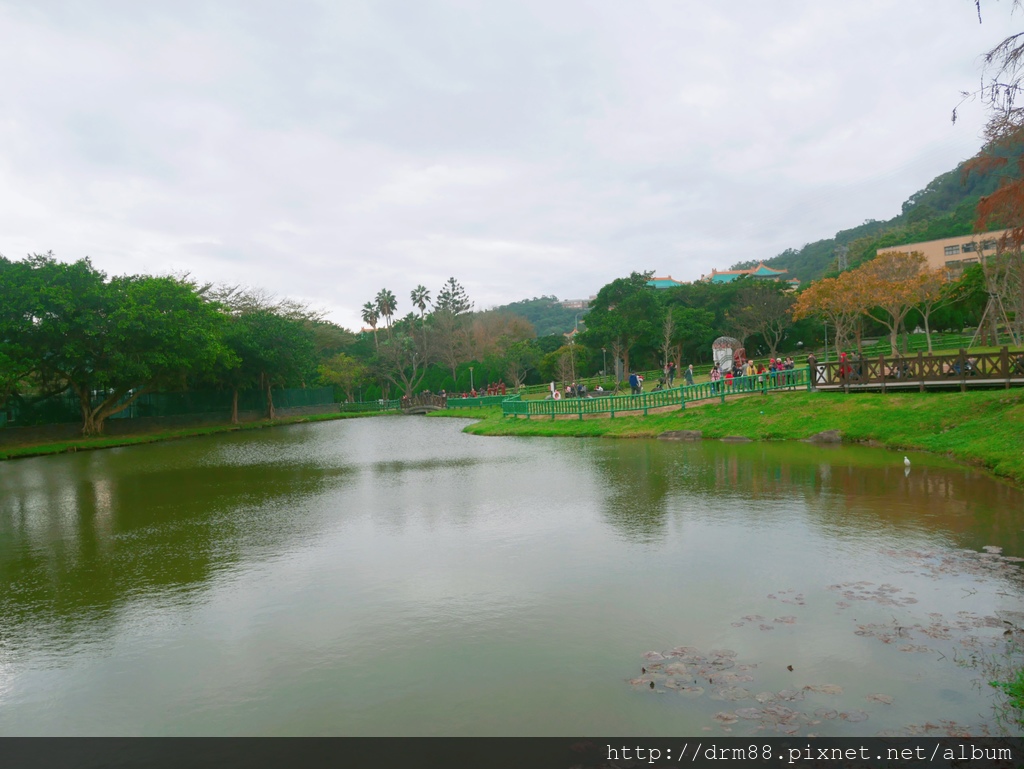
(812, 371)
(671, 373)
(634, 383)
(688, 374)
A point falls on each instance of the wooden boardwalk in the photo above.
(962, 371)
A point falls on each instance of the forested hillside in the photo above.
(945, 208)
(545, 313)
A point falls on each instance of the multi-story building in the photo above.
(954, 254)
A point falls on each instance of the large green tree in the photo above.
(110, 341)
(623, 316)
(273, 350)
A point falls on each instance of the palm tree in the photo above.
(386, 305)
(421, 298)
(370, 318)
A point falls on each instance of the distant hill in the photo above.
(545, 313)
(945, 208)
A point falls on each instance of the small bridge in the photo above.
(421, 404)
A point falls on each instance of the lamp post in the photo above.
(471, 388)
(604, 362)
(826, 341)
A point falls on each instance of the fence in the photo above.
(677, 396)
(471, 403)
(961, 369)
(65, 407)
(371, 406)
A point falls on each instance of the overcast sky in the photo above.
(327, 150)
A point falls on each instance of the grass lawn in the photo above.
(984, 428)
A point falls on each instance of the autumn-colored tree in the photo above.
(1002, 85)
(890, 287)
(840, 301)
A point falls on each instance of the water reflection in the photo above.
(834, 488)
(74, 544)
(404, 578)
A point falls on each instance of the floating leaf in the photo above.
(730, 694)
(726, 718)
(825, 689)
(750, 714)
(653, 656)
(885, 699)
(854, 716)
(691, 691)
(826, 714)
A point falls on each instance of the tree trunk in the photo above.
(927, 330)
(270, 400)
(90, 427)
(234, 406)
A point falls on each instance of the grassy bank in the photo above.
(114, 441)
(982, 428)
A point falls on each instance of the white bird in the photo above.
(906, 462)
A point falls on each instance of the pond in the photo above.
(394, 576)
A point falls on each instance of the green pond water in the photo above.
(393, 576)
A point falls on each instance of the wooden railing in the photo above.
(963, 368)
(423, 402)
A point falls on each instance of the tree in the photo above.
(420, 297)
(19, 290)
(453, 298)
(1002, 76)
(402, 362)
(386, 305)
(343, 371)
(839, 301)
(519, 359)
(111, 341)
(763, 308)
(449, 324)
(370, 318)
(273, 350)
(622, 316)
(693, 328)
(932, 291)
(890, 285)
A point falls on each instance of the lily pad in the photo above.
(825, 689)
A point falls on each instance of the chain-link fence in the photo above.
(65, 407)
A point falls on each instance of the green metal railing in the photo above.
(470, 403)
(371, 406)
(677, 396)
